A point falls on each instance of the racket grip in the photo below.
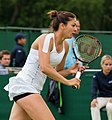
(74, 87)
(78, 74)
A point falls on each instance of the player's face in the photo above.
(107, 66)
(5, 60)
(70, 28)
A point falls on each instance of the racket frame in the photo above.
(100, 51)
(78, 74)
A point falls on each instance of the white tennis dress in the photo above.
(30, 79)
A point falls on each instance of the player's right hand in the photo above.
(74, 82)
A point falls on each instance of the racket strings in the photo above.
(87, 48)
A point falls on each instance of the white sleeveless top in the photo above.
(30, 78)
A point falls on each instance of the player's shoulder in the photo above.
(42, 36)
(45, 36)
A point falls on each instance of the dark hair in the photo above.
(59, 17)
(4, 52)
(19, 36)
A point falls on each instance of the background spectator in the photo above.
(70, 59)
(18, 55)
(4, 62)
(102, 89)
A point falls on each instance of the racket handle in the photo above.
(78, 74)
(74, 87)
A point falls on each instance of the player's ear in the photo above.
(62, 26)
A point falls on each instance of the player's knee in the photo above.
(109, 106)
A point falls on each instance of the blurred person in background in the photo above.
(102, 89)
(18, 54)
(4, 62)
(70, 59)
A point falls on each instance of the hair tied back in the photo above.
(52, 14)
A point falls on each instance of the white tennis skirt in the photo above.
(18, 86)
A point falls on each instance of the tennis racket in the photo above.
(86, 49)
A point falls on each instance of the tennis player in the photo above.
(102, 89)
(47, 52)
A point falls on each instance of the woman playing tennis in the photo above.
(47, 52)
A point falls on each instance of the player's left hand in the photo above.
(74, 68)
(82, 68)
